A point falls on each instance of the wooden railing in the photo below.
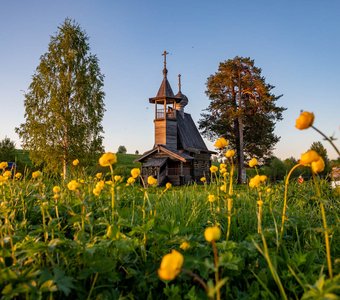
(170, 114)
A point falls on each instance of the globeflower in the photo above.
(318, 166)
(308, 157)
(255, 181)
(18, 175)
(107, 159)
(3, 165)
(117, 178)
(56, 189)
(212, 234)
(185, 246)
(73, 185)
(152, 180)
(253, 162)
(135, 172)
(213, 169)
(75, 162)
(36, 174)
(211, 198)
(7, 174)
(171, 265)
(230, 153)
(131, 180)
(305, 120)
(203, 179)
(221, 143)
(168, 185)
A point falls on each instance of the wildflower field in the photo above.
(107, 236)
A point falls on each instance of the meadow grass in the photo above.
(68, 245)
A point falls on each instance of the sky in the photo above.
(295, 43)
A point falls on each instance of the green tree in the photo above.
(7, 150)
(122, 149)
(242, 109)
(64, 103)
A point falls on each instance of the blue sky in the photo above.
(296, 43)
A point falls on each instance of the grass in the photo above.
(65, 245)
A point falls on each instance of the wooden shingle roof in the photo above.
(189, 135)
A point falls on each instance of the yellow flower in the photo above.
(308, 157)
(221, 143)
(252, 162)
(7, 174)
(223, 171)
(36, 174)
(263, 178)
(75, 162)
(212, 234)
(3, 165)
(211, 198)
(56, 189)
(117, 178)
(168, 185)
(185, 246)
(318, 166)
(135, 172)
(73, 185)
(99, 175)
(152, 180)
(171, 265)
(255, 181)
(107, 159)
(109, 182)
(18, 175)
(305, 120)
(230, 153)
(223, 188)
(268, 190)
(131, 180)
(213, 169)
(203, 179)
(96, 191)
(100, 185)
(223, 166)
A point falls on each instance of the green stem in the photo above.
(92, 286)
(325, 228)
(327, 139)
(285, 200)
(112, 195)
(218, 294)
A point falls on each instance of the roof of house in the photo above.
(189, 135)
(173, 153)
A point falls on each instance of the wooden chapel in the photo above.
(179, 155)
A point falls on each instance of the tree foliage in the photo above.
(122, 149)
(242, 109)
(64, 103)
(7, 150)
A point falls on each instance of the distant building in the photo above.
(179, 155)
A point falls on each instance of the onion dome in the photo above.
(184, 99)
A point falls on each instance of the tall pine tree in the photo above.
(64, 103)
(242, 109)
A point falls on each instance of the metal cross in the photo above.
(165, 54)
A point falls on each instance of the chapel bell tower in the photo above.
(165, 112)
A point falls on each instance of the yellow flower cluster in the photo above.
(56, 192)
(305, 120)
(221, 143)
(99, 187)
(212, 233)
(257, 180)
(171, 265)
(107, 159)
(73, 185)
(314, 160)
